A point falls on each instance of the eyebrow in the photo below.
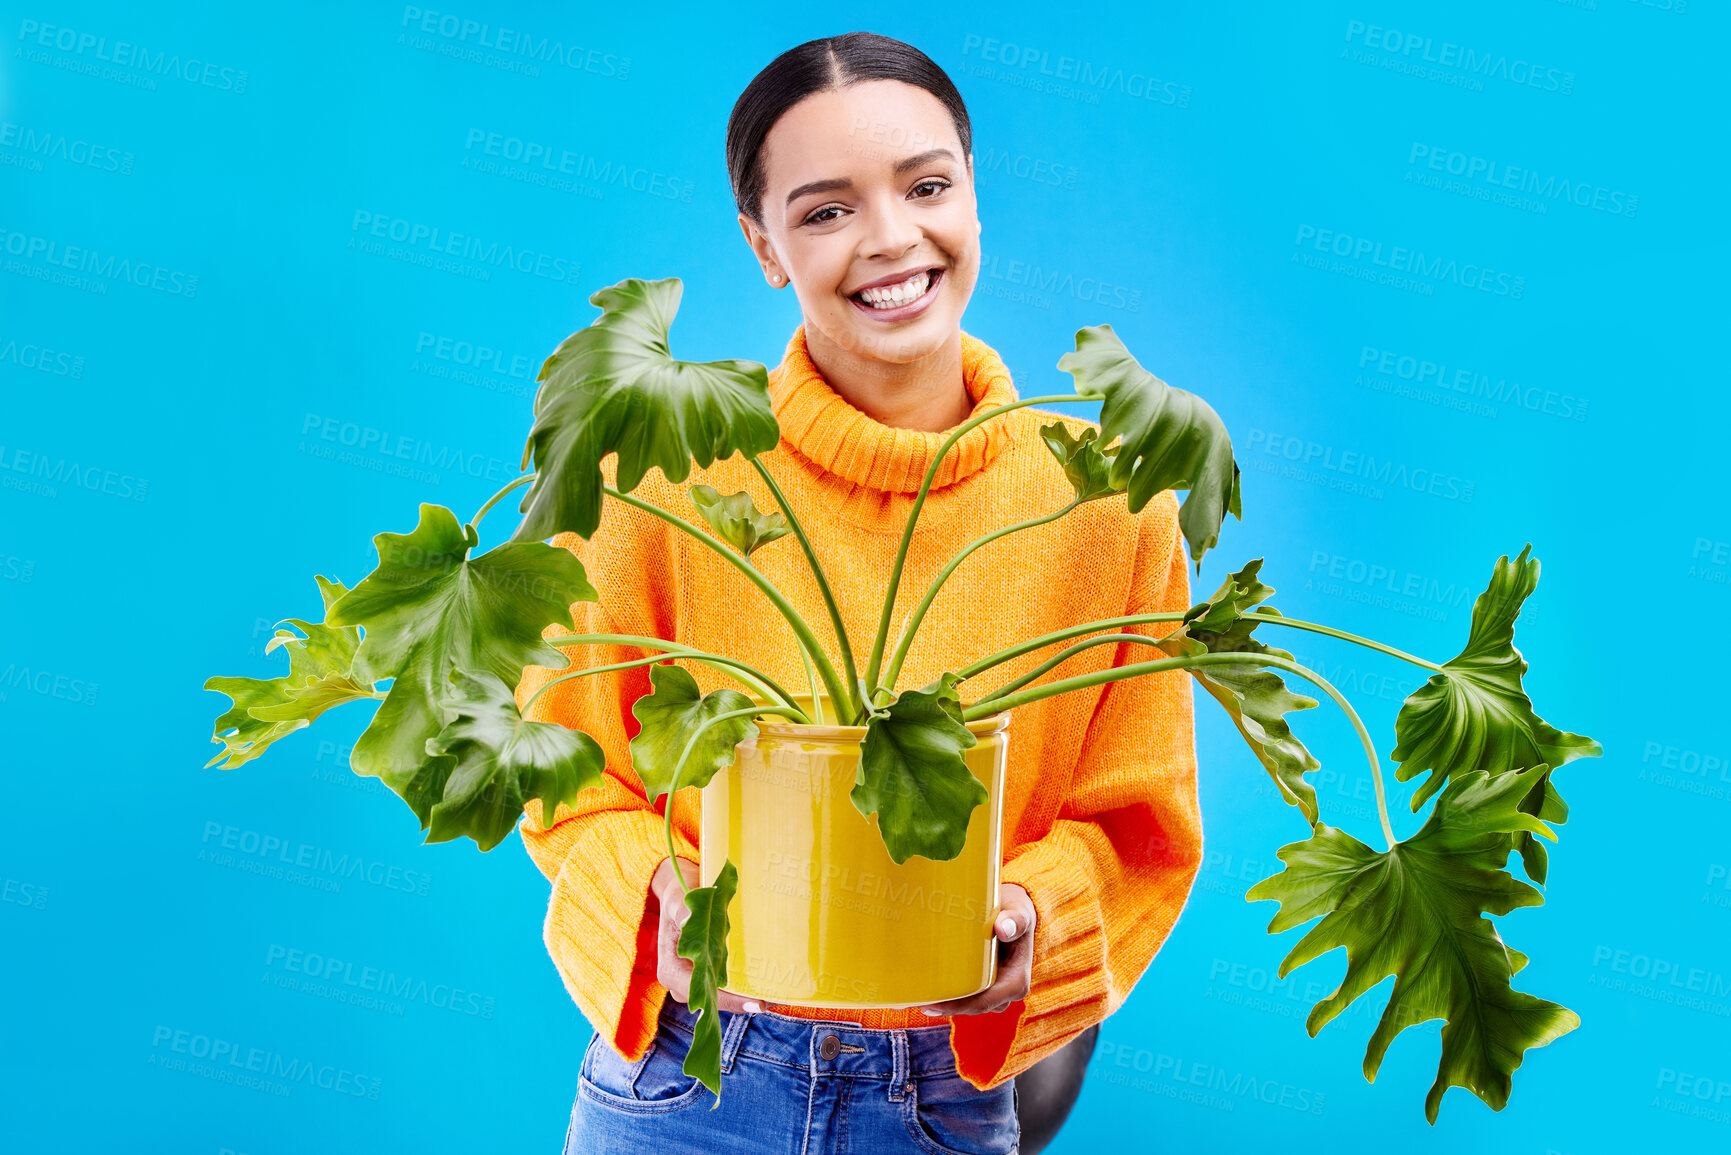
(903, 165)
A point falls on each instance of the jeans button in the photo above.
(830, 1047)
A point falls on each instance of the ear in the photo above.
(764, 251)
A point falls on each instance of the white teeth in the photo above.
(893, 296)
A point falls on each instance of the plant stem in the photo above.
(494, 500)
(679, 766)
(906, 637)
(987, 707)
(816, 572)
(1031, 675)
(811, 681)
(871, 673)
(1280, 620)
(751, 677)
(837, 692)
(1056, 636)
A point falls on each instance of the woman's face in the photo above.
(869, 211)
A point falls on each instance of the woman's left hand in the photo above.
(1014, 928)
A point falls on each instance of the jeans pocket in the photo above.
(947, 1115)
(655, 1082)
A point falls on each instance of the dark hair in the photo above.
(819, 66)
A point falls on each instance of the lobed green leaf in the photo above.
(703, 940)
(1416, 912)
(615, 388)
(913, 776)
(429, 608)
(669, 715)
(1167, 438)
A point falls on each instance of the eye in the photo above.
(817, 218)
(936, 185)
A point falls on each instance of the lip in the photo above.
(901, 312)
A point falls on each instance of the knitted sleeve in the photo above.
(601, 854)
(1109, 879)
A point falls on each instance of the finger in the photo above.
(728, 1001)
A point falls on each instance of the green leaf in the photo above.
(615, 388)
(669, 715)
(502, 761)
(1084, 464)
(1475, 714)
(737, 519)
(429, 608)
(1416, 912)
(703, 940)
(1168, 438)
(265, 710)
(913, 776)
(1257, 699)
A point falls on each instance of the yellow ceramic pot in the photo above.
(823, 916)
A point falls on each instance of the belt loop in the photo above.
(732, 1037)
(898, 1064)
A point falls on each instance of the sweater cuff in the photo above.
(601, 926)
(1069, 990)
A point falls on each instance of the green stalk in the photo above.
(679, 766)
(988, 707)
(822, 581)
(836, 691)
(1032, 675)
(1056, 636)
(811, 681)
(906, 637)
(1279, 620)
(871, 673)
(722, 664)
(494, 500)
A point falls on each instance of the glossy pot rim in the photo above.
(779, 727)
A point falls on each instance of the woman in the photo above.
(851, 166)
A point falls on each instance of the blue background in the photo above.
(1273, 129)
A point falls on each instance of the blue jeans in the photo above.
(789, 1087)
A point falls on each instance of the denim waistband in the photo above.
(823, 1046)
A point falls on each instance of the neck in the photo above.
(927, 393)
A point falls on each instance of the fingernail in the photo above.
(1007, 926)
(929, 1011)
(754, 1008)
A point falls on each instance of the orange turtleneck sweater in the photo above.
(1101, 824)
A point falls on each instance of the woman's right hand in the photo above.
(671, 971)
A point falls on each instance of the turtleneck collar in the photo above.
(823, 427)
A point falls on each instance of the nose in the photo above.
(890, 230)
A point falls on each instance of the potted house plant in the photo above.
(453, 631)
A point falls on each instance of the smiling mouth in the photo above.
(889, 298)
